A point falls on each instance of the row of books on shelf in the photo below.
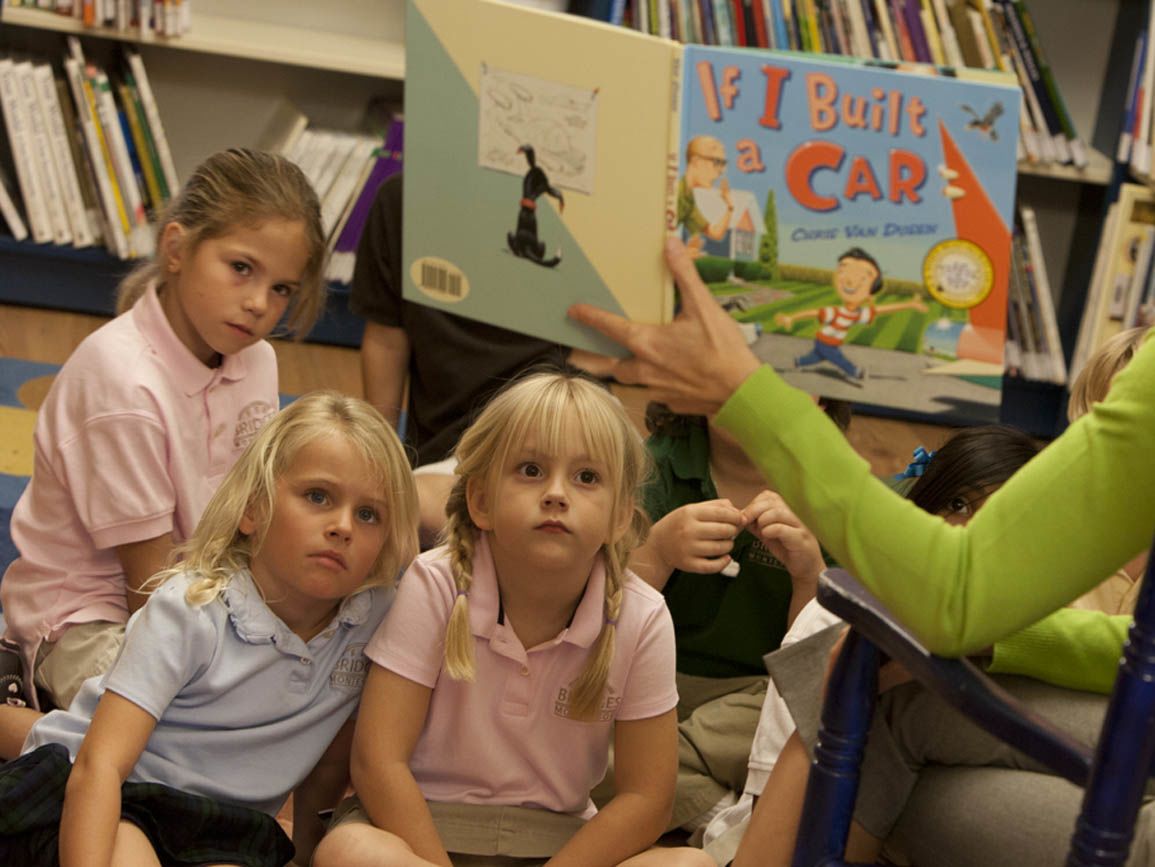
(1122, 290)
(346, 170)
(145, 17)
(88, 162)
(962, 34)
(88, 159)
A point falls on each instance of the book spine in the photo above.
(114, 217)
(139, 235)
(85, 174)
(48, 174)
(1046, 303)
(140, 145)
(882, 16)
(678, 76)
(860, 36)
(11, 213)
(933, 38)
(919, 43)
(62, 157)
(1123, 153)
(1089, 323)
(1028, 59)
(1077, 147)
(946, 30)
(906, 48)
(155, 167)
(152, 113)
(16, 124)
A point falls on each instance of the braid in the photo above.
(461, 541)
(590, 684)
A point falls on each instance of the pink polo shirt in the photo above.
(133, 438)
(506, 738)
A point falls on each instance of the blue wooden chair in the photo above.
(1114, 775)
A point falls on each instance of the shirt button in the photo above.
(525, 671)
(306, 661)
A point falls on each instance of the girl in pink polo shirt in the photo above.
(150, 412)
(515, 653)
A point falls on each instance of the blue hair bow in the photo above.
(918, 466)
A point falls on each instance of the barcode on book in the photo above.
(440, 279)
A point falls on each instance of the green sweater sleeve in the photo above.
(1074, 648)
(1075, 513)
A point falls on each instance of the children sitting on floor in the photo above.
(516, 652)
(150, 412)
(240, 674)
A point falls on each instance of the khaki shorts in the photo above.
(485, 835)
(83, 651)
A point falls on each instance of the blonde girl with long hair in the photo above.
(515, 652)
(148, 414)
(238, 677)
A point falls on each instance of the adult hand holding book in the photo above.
(694, 363)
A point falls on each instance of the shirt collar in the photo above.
(484, 601)
(255, 623)
(191, 374)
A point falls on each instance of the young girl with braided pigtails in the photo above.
(514, 652)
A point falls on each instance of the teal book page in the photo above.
(535, 175)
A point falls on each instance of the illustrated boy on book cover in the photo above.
(864, 236)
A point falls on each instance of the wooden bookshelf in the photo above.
(265, 41)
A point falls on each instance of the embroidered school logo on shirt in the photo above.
(607, 711)
(761, 555)
(349, 672)
(251, 419)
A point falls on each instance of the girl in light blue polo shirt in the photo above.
(237, 679)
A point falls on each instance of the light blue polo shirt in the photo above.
(245, 708)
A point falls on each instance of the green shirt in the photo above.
(1077, 512)
(724, 625)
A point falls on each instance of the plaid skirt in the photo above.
(185, 830)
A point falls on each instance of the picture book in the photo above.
(856, 219)
(854, 216)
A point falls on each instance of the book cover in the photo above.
(535, 179)
(537, 157)
(801, 177)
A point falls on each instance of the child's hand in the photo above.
(698, 537)
(783, 320)
(771, 520)
(916, 303)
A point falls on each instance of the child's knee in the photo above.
(685, 856)
(355, 844)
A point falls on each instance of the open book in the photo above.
(547, 158)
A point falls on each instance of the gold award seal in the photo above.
(958, 273)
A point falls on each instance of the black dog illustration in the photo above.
(524, 242)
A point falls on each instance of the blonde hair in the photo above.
(1094, 380)
(218, 548)
(241, 187)
(537, 404)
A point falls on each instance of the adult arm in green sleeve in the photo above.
(1075, 513)
(1071, 647)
